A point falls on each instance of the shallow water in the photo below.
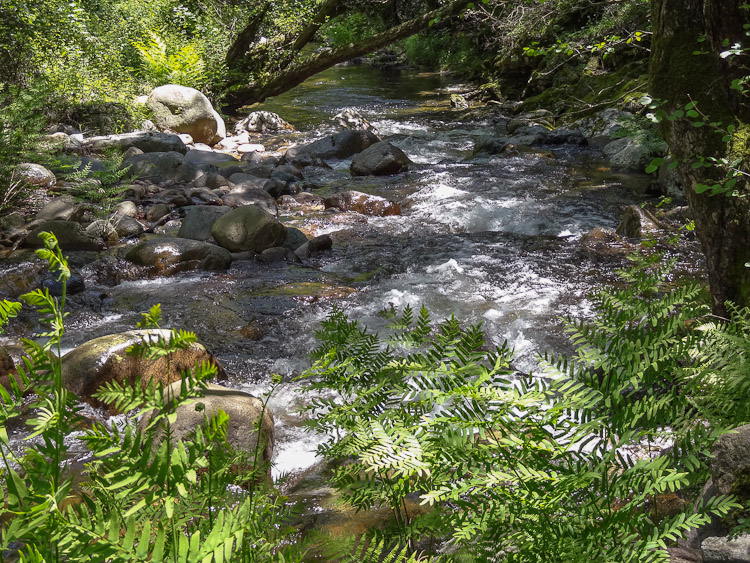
(491, 239)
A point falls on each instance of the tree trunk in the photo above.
(297, 73)
(684, 70)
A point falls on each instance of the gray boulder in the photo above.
(600, 128)
(70, 236)
(314, 245)
(351, 119)
(631, 154)
(246, 416)
(541, 117)
(33, 174)
(63, 208)
(248, 228)
(341, 145)
(380, 159)
(724, 550)
(363, 203)
(101, 360)
(261, 122)
(162, 166)
(165, 255)
(731, 460)
(247, 194)
(212, 181)
(199, 219)
(146, 141)
(294, 238)
(186, 110)
(127, 226)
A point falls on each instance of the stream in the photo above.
(491, 239)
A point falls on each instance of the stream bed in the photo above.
(491, 239)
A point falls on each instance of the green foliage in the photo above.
(350, 28)
(566, 469)
(146, 496)
(443, 51)
(171, 64)
(723, 370)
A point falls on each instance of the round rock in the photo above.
(248, 228)
(101, 360)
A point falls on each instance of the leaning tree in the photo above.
(261, 67)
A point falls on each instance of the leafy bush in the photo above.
(531, 468)
(169, 64)
(142, 498)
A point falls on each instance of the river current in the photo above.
(491, 239)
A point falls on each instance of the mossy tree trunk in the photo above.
(687, 66)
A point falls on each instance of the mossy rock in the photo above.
(102, 360)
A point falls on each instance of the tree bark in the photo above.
(297, 73)
(683, 70)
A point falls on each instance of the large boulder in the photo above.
(731, 463)
(363, 203)
(147, 141)
(186, 110)
(199, 219)
(380, 159)
(101, 360)
(341, 145)
(34, 175)
(248, 228)
(246, 415)
(261, 122)
(166, 255)
(632, 154)
(161, 166)
(70, 236)
(724, 550)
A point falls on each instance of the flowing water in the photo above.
(490, 239)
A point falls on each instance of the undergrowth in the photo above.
(430, 422)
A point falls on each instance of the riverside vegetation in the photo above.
(430, 423)
(475, 461)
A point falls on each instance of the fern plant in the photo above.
(145, 495)
(166, 64)
(521, 468)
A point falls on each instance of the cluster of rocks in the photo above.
(603, 130)
(221, 206)
(104, 360)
